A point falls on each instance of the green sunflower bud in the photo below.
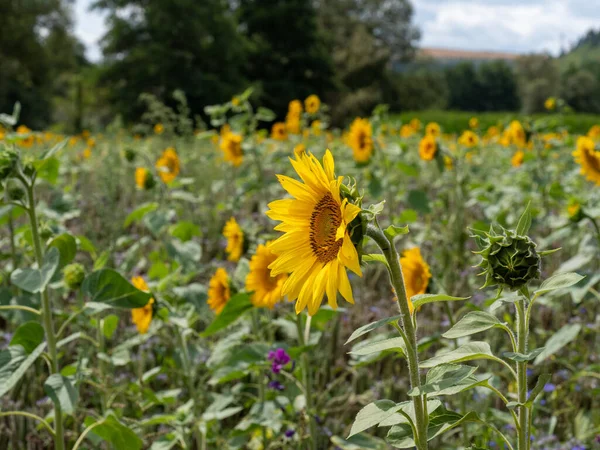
(130, 154)
(149, 181)
(9, 159)
(508, 260)
(16, 193)
(575, 212)
(73, 275)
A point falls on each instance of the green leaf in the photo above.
(520, 357)
(473, 322)
(67, 247)
(36, 280)
(108, 286)
(115, 433)
(418, 200)
(265, 115)
(375, 257)
(86, 245)
(62, 392)
(29, 335)
(421, 299)
(442, 377)
(539, 386)
(371, 326)
(373, 414)
(392, 231)
(557, 341)
(396, 344)
(409, 410)
(14, 362)
(466, 352)
(524, 221)
(233, 310)
(138, 214)
(184, 231)
(359, 442)
(52, 151)
(559, 281)
(109, 325)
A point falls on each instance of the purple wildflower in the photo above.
(279, 359)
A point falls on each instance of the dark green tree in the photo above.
(159, 46)
(497, 85)
(463, 87)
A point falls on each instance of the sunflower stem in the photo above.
(522, 376)
(306, 380)
(397, 280)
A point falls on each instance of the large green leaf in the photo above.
(466, 352)
(28, 335)
(67, 247)
(442, 377)
(557, 341)
(396, 344)
(115, 433)
(108, 286)
(233, 310)
(62, 392)
(371, 326)
(559, 281)
(421, 299)
(473, 322)
(36, 280)
(138, 214)
(14, 361)
(373, 414)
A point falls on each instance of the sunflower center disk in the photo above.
(324, 222)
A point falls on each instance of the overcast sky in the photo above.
(498, 25)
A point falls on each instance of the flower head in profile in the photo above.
(231, 146)
(574, 211)
(235, 240)
(473, 122)
(428, 148)
(517, 134)
(168, 165)
(416, 273)
(279, 359)
(219, 291)
(295, 108)
(468, 139)
(517, 158)
(266, 288)
(316, 248)
(292, 123)
(142, 317)
(588, 158)
(279, 131)
(312, 104)
(433, 129)
(360, 139)
(159, 128)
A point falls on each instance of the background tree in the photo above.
(538, 78)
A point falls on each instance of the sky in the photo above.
(518, 26)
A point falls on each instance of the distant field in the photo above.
(456, 121)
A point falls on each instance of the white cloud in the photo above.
(89, 28)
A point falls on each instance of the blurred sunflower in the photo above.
(26, 141)
(517, 158)
(295, 108)
(315, 126)
(415, 124)
(142, 317)
(416, 273)
(312, 104)
(218, 291)
(427, 148)
(266, 288)
(360, 139)
(159, 128)
(87, 153)
(594, 132)
(231, 146)
(299, 150)
(468, 139)
(473, 122)
(433, 129)
(316, 248)
(278, 131)
(517, 134)
(141, 174)
(235, 101)
(406, 131)
(235, 240)
(588, 158)
(168, 165)
(574, 211)
(292, 123)
(550, 103)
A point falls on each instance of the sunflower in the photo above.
(406, 131)
(87, 153)
(360, 139)
(517, 134)
(468, 139)
(159, 128)
(416, 273)
(415, 124)
(235, 101)
(550, 104)
(141, 175)
(29, 140)
(218, 291)
(142, 317)
(266, 288)
(315, 126)
(278, 131)
(517, 158)
(574, 211)
(594, 132)
(168, 165)
(312, 104)
(292, 123)
(231, 146)
(235, 240)
(428, 148)
(588, 158)
(433, 129)
(316, 248)
(295, 108)
(473, 122)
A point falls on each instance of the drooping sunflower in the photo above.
(427, 148)
(219, 292)
(143, 178)
(316, 248)
(235, 240)
(416, 273)
(266, 288)
(278, 131)
(517, 158)
(231, 146)
(168, 165)
(588, 158)
(468, 139)
(312, 104)
(360, 139)
(142, 317)
(433, 129)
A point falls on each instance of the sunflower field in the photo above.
(263, 285)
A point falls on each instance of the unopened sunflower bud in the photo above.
(575, 212)
(9, 159)
(16, 193)
(508, 260)
(130, 154)
(73, 276)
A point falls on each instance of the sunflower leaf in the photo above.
(419, 300)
